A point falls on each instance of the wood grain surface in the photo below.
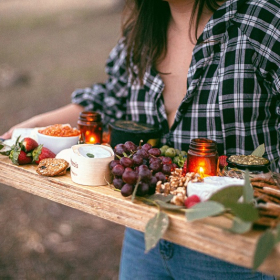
(208, 236)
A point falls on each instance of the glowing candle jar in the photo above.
(90, 126)
(202, 157)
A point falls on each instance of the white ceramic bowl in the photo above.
(55, 143)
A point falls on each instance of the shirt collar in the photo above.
(220, 20)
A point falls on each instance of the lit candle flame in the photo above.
(92, 139)
(201, 172)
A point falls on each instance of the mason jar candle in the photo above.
(202, 157)
(90, 126)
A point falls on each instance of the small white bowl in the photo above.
(55, 143)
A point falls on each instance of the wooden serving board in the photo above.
(207, 236)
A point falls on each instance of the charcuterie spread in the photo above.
(161, 176)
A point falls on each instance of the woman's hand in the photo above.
(30, 123)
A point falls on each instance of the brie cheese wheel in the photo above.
(211, 185)
(96, 151)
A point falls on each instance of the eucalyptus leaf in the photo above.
(157, 196)
(203, 210)
(168, 206)
(135, 189)
(264, 247)
(154, 230)
(277, 238)
(245, 211)
(227, 194)
(259, 151)
(239, 226)
(248, 192)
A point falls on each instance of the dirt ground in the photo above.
(47, 51)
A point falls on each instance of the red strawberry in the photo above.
(20, 157)
(192, 200)
(42, 152)
(222, 161)
(23, 158)
(184, 171)
(28, 144)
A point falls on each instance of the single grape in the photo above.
(153, 181)
(163, 149)
(170, 152)
(143, 189)
(143, 153)
(166, 169)
(118, 170)
(145, 173)
(177, 152)
(126, 162)
(120, 149)
(155, 166)
(118, 183)
(137, 159)
(130, 146)
(127, 190)
(147, 146)
(166, 160)
(129, 176)
(152, 185)
(154, 152)
(154, 159)
(160, 177)
(176, 159)
(113, 163)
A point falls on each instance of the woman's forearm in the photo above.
(67, 114)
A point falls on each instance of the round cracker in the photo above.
(51, 166)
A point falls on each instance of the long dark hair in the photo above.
(145, 27)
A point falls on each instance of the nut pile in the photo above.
(177, 185)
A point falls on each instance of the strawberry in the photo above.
(191, 200)
(20, 157)
(42, 152)
(222, 161)
(28, 144)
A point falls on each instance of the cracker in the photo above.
(267, 221)
(263, 184)
(268, 179)
(266, 197)
(52, 167)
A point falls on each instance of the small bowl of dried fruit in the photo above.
(58, 137)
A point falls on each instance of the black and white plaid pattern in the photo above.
(233, 85)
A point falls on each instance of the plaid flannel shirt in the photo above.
(233, 85)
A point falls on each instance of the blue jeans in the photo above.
(168, 261)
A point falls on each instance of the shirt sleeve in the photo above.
(108, 98)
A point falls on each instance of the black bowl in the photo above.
(122, 131)
(257, 168)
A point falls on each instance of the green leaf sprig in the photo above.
(265, 245)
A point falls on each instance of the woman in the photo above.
(199, 68)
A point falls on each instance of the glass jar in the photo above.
(90, 126)
(202, 157)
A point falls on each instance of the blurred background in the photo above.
(48, 48)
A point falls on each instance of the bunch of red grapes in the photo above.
(143, 164)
